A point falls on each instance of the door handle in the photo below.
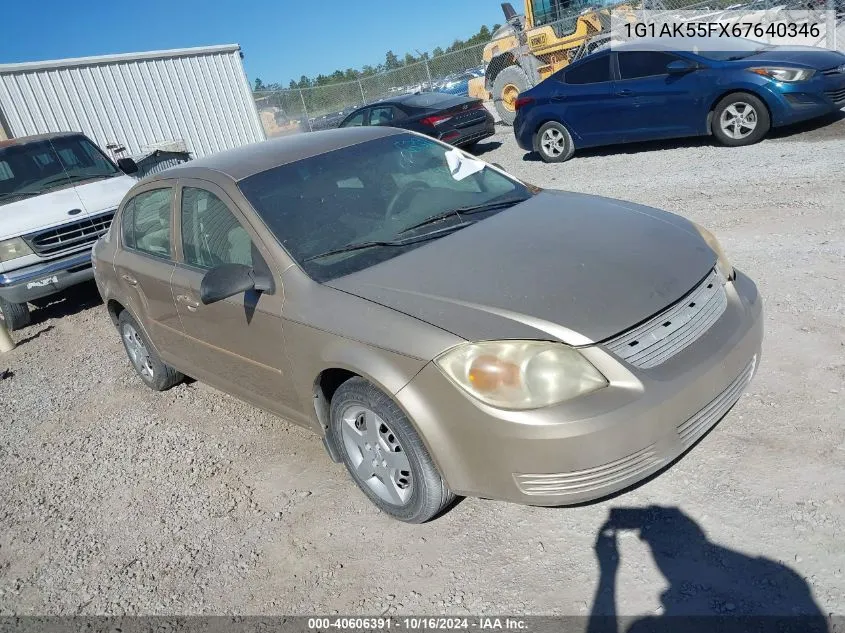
(188, 302)
(558, 98)
(624, 92)
(129, 279)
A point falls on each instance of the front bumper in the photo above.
(600, 443)
(45, 279)
(802, 101)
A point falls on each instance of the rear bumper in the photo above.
(469, 135)
(600, 443)
(45, 279)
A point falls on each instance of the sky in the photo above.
(280, 40)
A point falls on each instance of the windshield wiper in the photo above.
(391, 243)
(477, 208)
(12, 194)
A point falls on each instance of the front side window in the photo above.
(590, 72)
(145, 223)
(379, 191)
(635, 64)
(211, 235)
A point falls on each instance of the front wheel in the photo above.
(14, 315)
(384, 454)
(740, 119)
(554, 143)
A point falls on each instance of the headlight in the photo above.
(723, 264)
(13, 248)
(784, 74)
(520, 374)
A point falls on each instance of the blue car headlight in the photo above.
(785, 74)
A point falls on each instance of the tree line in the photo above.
(391, 62)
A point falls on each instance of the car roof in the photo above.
(35, 138)
(681, 44)
(242, 162)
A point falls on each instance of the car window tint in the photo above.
(382, 115)
(211, 235)
(355, 120)
(590, 72)
(149, 228)
(635, 64)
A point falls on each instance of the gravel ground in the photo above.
(115, 499)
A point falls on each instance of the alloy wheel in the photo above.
(553, 142)
(738, 120)
(138, 353)
(376, 455)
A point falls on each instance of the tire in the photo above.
(363, 416)
(554, 143)
(143, 357)
(730, 108)
(510, 79)
(15, 315)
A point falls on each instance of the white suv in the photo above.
(58, 194)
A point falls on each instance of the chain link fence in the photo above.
(297, 110)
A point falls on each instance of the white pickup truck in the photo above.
(58, 194)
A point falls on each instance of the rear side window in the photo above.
(636, 64)
(145, 223)
(384, 115)
(355, 120)
(590, 72)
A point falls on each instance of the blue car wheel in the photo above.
(740, 119)
(554, 143)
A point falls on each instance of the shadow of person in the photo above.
(711, 588)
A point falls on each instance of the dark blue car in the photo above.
(659, 89)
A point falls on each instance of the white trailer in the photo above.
(198, 99)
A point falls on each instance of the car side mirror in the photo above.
(127, 165)
(680, 66)
(228, 280)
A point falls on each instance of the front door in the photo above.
(146, 262)
(235, 344)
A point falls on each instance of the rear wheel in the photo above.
(506, 88)
(554, 143)
(14, 315)
(740, 119)
(384, 454)
(146, 362)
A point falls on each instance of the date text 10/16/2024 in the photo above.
(416, 624)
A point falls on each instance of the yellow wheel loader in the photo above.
(530, 47)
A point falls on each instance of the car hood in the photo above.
(817, 58)
(50, 209)
(560, 266)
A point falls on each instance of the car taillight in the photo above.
(523, 101)
(436, 119)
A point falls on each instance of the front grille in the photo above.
(701, 422)
(71, 235)
(837, 96)
(661, 337)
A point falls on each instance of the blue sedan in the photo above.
(659, 89)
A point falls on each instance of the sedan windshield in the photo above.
(354, 207)
(36, 167)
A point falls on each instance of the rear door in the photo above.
(653, 103)
(584, 95)
(234, 344)
(145, 261)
